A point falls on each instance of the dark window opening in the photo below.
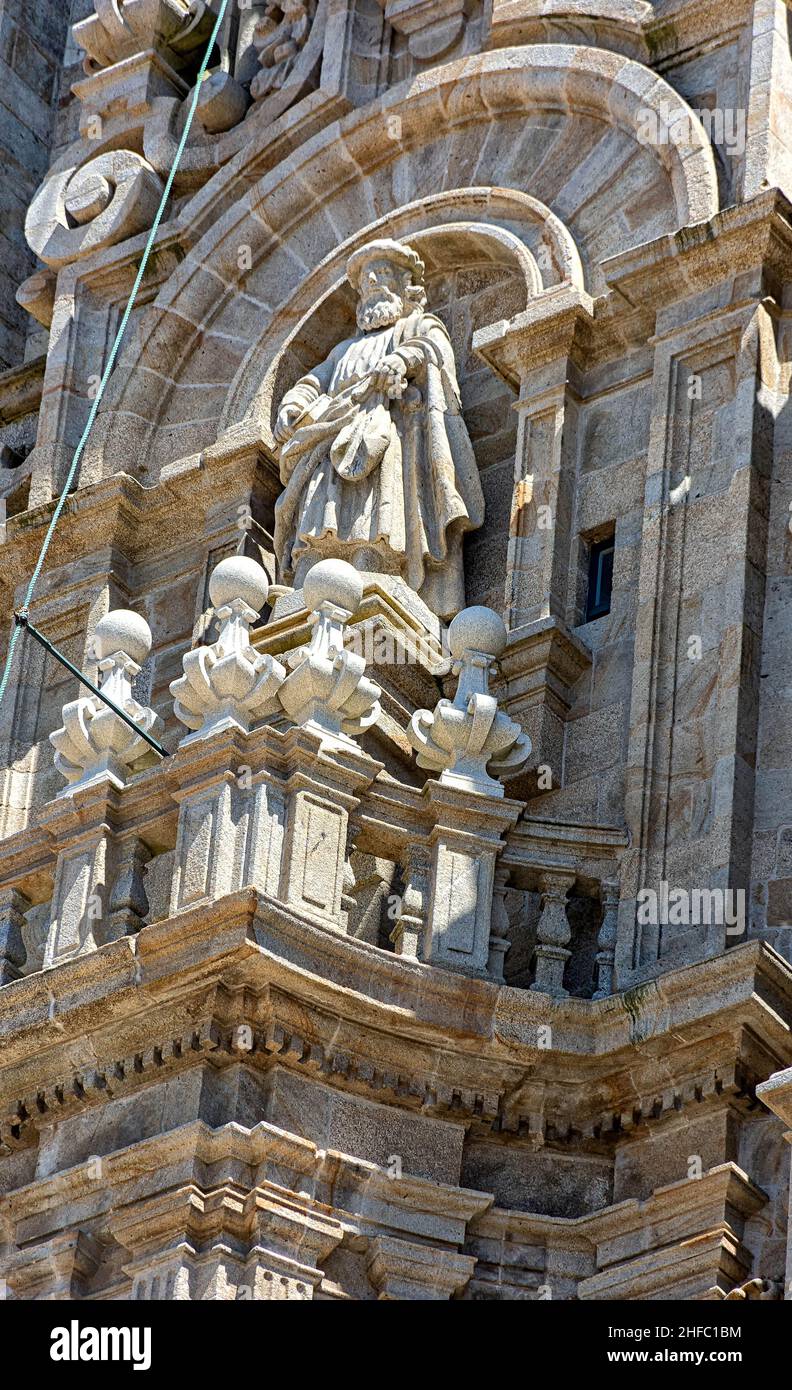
(600, 578)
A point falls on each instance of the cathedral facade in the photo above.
(403, 910)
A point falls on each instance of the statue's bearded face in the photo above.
(381, 295)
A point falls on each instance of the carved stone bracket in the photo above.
(404, 1270)
(430, 26)
(56, 1268)
(120, 28)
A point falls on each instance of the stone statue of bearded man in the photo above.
(375, 458)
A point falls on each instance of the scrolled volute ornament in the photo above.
(84, 208)
(468, 740)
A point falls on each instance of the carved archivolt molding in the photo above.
(461, 240)
(289, 217)
(81, 210)
(619, 25)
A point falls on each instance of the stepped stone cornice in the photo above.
(325, 1007)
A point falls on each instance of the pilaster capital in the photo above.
(401, 1270)
(556, 325)
(473, 817)
(776, 1094)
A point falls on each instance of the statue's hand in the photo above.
(288, 415)
(390, 377)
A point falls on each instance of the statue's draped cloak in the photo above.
(394, 483)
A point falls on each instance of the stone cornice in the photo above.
(21, 388)
(143, 522)
(756, 235)
(751, 979)
(189, 1155)
(536, 846)
(455, 1045)
(725, 1183)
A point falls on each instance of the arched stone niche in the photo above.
(557, 122)
(520, 245)
(477, 272)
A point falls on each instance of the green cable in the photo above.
(114, 349)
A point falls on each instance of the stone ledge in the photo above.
(453, 1043)
(21, 389)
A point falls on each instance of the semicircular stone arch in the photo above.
(565, 125)
(475, 274)
(520, 237)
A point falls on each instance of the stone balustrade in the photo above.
(272, 790)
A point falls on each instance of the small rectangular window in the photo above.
(600, 578)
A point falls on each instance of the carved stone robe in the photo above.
(391, 485)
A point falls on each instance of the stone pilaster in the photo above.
(538, 351)
(690, 781)
(465, 842)
(210, 845)
(229, 787)
(321, 792)
(82, 827)
(767, 159)
(266, 823)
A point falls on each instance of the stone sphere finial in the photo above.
(239, 577)
(121, 630)
(477, 629)
(333, 581)
(93, 744)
